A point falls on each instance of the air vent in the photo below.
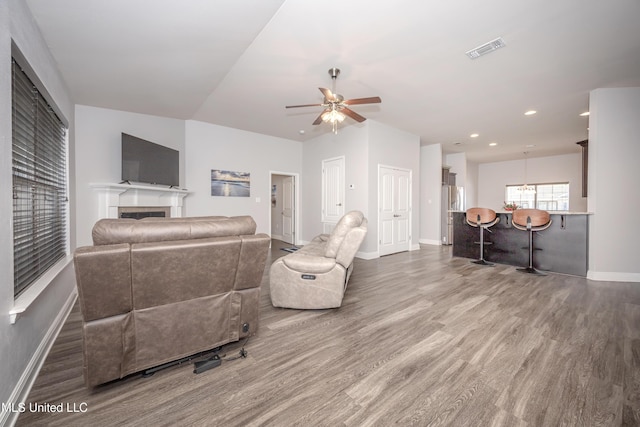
(486, 48)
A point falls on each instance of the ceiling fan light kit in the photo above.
(336, 108)
(334, 117)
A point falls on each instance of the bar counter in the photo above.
(561, 248)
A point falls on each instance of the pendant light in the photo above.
(526, 188)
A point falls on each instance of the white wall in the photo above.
(350, 142)
(389, 146)
(215, 147)
(98, 153)
(364, 146)
(430, 193)
(614, 151)
(494, 177)
(471, 185)
(464, 171)
(23, 345)
(202, 147)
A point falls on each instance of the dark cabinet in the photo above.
(448, 177)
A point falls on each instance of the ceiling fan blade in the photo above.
(327, 94)
(318, 120)
(304, 105)
(370, 100)
(355, 116)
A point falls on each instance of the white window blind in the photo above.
(39, 182)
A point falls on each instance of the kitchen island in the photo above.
(561, 248)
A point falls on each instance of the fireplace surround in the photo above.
(136, 200)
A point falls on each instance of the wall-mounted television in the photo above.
(146, 162)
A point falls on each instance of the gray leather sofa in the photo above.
(316, 276)
(152, 291)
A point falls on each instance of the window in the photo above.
(39, 169)
(549, 197)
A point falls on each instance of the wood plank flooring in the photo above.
(422, 339)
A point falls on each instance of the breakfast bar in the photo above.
(561, 248)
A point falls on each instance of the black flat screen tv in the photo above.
(149, 163)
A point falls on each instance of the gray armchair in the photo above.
(153, 291)
(316, 276)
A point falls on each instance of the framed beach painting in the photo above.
(230, 183)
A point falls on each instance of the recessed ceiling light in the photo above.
(586, 113)
(493, 144)
(474, 135)
(301, 131)
(530, 113)
(530, 145)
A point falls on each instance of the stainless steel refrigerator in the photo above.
(452, 200)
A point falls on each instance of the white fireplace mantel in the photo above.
(114, 196)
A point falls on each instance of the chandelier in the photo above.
(526, 188)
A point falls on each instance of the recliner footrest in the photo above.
(205, 365)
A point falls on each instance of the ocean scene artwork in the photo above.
(230, 183)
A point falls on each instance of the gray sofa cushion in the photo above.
(113, 231)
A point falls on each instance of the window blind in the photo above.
(39, 182)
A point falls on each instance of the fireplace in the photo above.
(139, 212)
(138, 201)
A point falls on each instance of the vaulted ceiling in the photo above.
(237, 63)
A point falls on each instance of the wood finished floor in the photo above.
(422, 339)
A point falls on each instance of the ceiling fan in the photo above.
(336, 108)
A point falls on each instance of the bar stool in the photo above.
(531, 220)
(483, 218)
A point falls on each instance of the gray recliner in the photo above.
(316, 276)
(156, 290)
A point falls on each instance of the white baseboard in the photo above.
(368, 255)
(612, 276)
(23, 387)
(430, 242)
(376, 254)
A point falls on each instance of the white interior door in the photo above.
(288, 191)
(394, 200)
(332, 190)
